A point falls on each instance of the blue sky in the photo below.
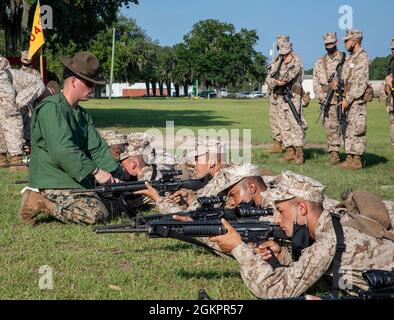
(304, 20)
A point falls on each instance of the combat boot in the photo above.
(276, 147)
(334, 158)
(299, 157)
(17, 165)
(3, 160)
(356, 163)
(348, 162)
(290, 154)
(33, 203)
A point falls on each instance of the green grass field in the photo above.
(89, 266)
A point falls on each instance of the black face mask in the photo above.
(331, 50)
(251, 203)
(351, 49)
(300, 240)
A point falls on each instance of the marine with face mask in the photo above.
(355, 74)
(324, 69)
(274, 124)
(209, 160)
(286, 82)
(313, 232)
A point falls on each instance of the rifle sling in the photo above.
(339, 250)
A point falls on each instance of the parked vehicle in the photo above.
(243, 95)
(256, 94)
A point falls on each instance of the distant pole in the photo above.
(111, 78)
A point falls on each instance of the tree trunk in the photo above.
(161, 89)
(218, 92)
(177, 90)
(154, 88)
(168, 84)
(147, 84)
(186, 89)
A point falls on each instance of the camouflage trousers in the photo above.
(273, 116)
(392, 128)
(293, 135)
(80, 208)
(11, 122)
(356, 131)
(331, 125)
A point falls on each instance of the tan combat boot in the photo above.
(16, 164)
(3, 160)
(299, 157)
(356, 163)
(32, 203)
(290, 154)
(334, 158)
(348, 162)
(276, 147)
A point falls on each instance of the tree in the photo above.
(219, 55)
(380, 68)
(75, 21)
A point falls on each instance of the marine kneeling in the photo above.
(68, 152)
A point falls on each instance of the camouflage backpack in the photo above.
(367, 213)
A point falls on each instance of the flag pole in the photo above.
(42, 64)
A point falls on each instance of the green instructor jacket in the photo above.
(66, 147)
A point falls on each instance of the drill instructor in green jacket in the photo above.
(68, 152)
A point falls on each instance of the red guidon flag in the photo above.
(37, 39)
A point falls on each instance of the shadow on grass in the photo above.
(313, 152)
(207, 274)
(370, 160)
(156, 118)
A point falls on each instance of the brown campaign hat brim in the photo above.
(67, 62)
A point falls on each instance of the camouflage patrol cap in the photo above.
(353, 34)
(203, 146)
(330, 37)
(233, 174)
(137, 142)
(112, 137)
(290, 185)
(282, 39)
(285, 48)
(25, 57)
(4, 63)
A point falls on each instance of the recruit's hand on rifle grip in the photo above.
(149, 192)
(230, 240)
(267, 249)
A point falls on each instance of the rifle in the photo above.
(21, 181)
(325, 106)
(275, 74)
(342, 116)
(287, 94)
(207, 212)
(168, 183)
(250, 231)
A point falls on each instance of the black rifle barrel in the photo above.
(194, 184)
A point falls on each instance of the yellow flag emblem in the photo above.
(37, 35)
